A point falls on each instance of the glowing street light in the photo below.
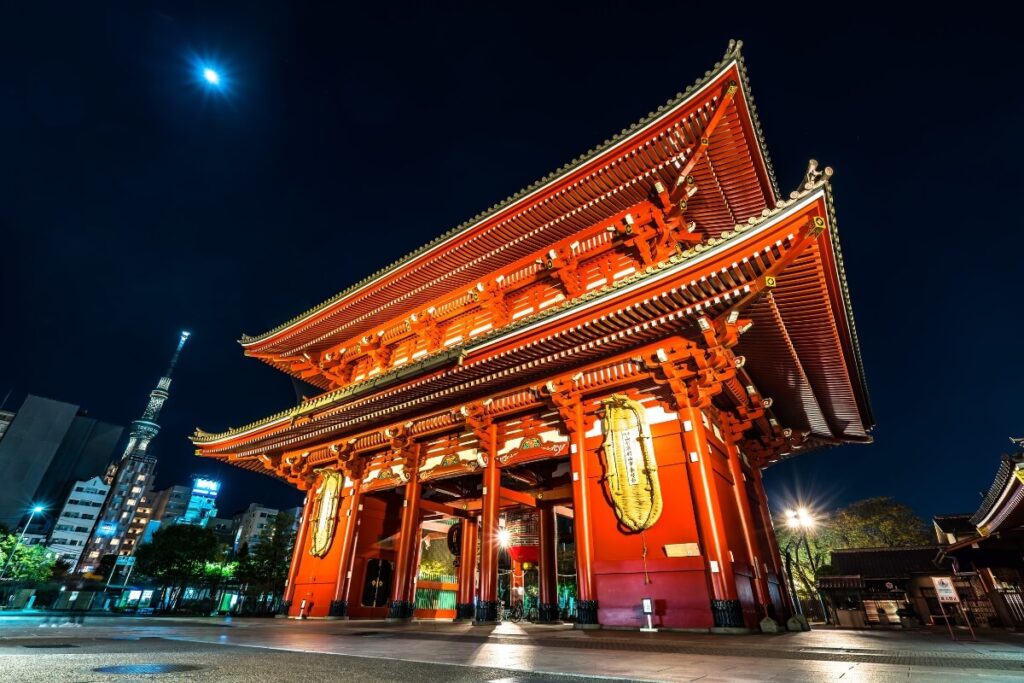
(504, 537)
(211, 76)
(802, 520)
(36, 509)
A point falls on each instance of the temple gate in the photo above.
(610, 357)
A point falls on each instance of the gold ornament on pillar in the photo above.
(632, 473)
(324, 515)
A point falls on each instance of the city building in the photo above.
(224, 529)
(6, 418)
(202, 502)
(169, 505)
(250, 523)
(134, 476)
(77, 518)
(630, 341)
(140, 523)
(46, 446)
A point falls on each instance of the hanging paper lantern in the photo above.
(524, 535)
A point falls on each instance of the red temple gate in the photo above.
(632, 339)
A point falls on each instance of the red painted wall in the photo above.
(316, 577)
(679, 586)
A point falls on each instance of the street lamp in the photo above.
(801, 520)
(36, 509)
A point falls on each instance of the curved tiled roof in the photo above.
(732, 56)
(1004, 477)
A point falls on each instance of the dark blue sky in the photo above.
(134, 204)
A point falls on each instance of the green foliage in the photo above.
(25, 563)
(878, 523)
(870, 523)
(178, 554)
(264, 568)
(218, 571)
(435, 558)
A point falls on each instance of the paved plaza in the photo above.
(121, 649)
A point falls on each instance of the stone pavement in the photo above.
(822, 654)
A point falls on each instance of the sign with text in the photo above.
(944, 589)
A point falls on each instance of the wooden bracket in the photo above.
(375, 348)
(492, 299)
(479, 423)
(565, 397)
(561, 264)
(425, 326)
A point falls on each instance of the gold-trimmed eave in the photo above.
(763, 166)
(332, 400)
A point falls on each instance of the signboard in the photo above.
(207, 486)
(682, 550)
(944, 589)
(126, 560)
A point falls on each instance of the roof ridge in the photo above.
(732, 53)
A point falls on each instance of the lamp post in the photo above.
(803, 521)
(35, 510)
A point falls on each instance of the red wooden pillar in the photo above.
(775, 561)
(464, 608)
(747, 524)
(297, 555)
(548, 566)
(725, 606)
(415, 555)
(408, 552)
(339, 606)
(586, 610)
(487, 606)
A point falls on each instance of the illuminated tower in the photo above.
(134, 476)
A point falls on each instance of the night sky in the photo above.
(134, 203)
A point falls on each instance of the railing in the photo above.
(1014, 604)
(435, 599)
(437, 577)
(436, 591)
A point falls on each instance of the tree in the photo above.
(878, 523)
(264, 568)
(870, 523)
(177, 556)
(27, 563)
